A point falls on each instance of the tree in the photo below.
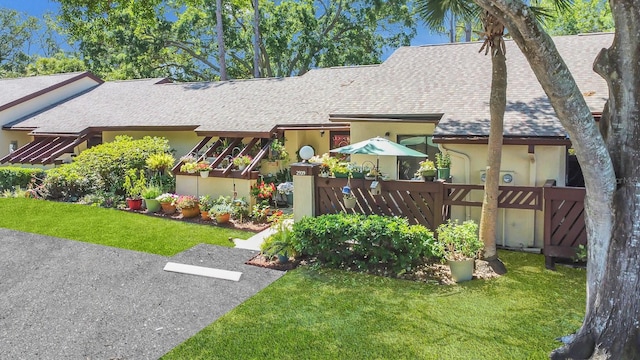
(584, 16)
(611, 170)
(57, 64)
(220, 37)
(434, 13)
(16, 39)
(126, 38)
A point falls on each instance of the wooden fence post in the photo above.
(548, 260)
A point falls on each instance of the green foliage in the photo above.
(135, 183)
(281, 242)
(152, 192)
(111, 161)
(68, 183)
(59, 63)
(160, 162)
(18, 31)
(364, 242)
(12, 177)
(459, 241)
(240, 209)
(221, 209)
(583, 16)
(443, 160)
(177, 39)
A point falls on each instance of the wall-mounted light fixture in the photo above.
(321, 133)
(387, 135)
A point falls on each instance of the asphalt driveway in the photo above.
(63, 299)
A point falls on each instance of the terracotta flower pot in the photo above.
(167, 208)
(205, 215)
(223, 218)
(190, 212)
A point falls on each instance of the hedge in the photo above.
(12, 177)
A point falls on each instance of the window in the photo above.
(339, 139)
(408, 165)
(13, 146)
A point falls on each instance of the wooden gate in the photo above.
(564, 228)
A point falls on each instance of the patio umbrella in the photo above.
(378, 146)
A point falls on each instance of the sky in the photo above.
(39, 7)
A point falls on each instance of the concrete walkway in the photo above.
(64, 299)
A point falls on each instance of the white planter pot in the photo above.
(204, 174)
(462, 270)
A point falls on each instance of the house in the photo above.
(24, 97)
(432, 98)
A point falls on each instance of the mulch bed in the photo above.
(232, 224)
(261, 261)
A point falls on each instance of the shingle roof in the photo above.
(256, 105)
(454, 80)
(14, 89)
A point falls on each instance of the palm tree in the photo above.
(434, 13)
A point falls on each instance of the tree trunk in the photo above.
(610, 329)
(256, 39)
(220, 38)
(497, 106)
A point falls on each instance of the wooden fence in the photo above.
(428, 204)
(564, 228)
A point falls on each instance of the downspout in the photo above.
(467, 167)
(533, 175)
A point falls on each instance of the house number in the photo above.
(301, 172)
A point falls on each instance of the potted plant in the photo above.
(221, 212)
(280, 243)
(203, 168)
(340, 169)
(371, 174)
(277, 151)
(168, 202)
(460, 245)
(149, 195)
(286, 189)
(188, 205)
(160, 162)
(427, 170)
(189, 164)
(263, 192)
(242, 161)
(134, 184)
(349, 200)
(443, 161)
(205, 203)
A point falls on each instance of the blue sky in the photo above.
(38, 7)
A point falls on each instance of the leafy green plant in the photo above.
(160, 162)
(366, 243)
(582, 253)
(134, 184)
(67, 183)
(151, 192)
(12, 177)
(443, 160)
(205, 202)
(427, 168)
(240, 209)
(459, 241)
(221, 209)
(281, 241)
(277, 151)
(243, 160)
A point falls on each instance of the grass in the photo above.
(110, 227)
(329, 314)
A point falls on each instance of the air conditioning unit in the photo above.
(507, 177)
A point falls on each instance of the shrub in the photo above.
(13, 177)
(67, 183)
(111, 161)
(364, 242)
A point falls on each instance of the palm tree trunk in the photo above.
(497, 105)
(220, 38)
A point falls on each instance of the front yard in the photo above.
(332, 314)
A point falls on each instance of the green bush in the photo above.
(13, 177)
(111, 161)
(68, 183)
(364, 242)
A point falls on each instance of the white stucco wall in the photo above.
(516, 228)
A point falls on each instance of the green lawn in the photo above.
(110, 227)
(331, 314)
